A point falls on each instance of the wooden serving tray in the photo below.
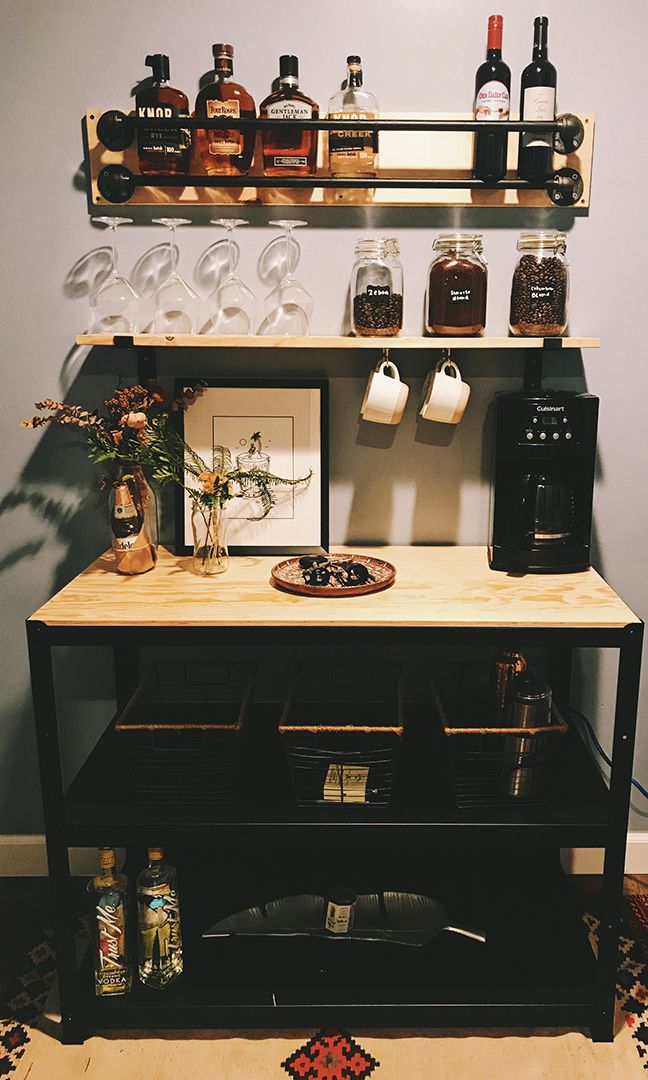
(287, 575)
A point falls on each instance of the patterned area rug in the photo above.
(28, 1052)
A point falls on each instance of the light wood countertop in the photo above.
(435, 587)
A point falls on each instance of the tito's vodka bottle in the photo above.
(290, 150)
(353, 153)
(108, 893)
(158, 912)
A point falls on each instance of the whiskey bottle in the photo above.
(162, 151)
(353, 153)
(225, 152)
(158, 910)
(289, 150)
(108, 894)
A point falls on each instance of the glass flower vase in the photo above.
(209, 528)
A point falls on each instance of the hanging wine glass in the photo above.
(231, 307)
(176, 304)
(288, 308)
(115, 303)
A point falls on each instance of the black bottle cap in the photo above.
(160, 65)
(288, 66)
(354, 59)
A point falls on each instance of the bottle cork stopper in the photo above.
(106, 858)
(155, 854)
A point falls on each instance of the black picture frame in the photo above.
(182, 545)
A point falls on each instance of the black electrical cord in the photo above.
(601, 751)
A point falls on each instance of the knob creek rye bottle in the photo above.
(492, 102)
(162, 151)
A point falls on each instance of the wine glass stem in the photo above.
(230, 251)
(113, 247)
(172, 245)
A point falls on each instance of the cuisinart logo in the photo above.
(550, 408)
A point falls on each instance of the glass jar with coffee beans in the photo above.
(455, 303)
(540, 287)
(377, 289)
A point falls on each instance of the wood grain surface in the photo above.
(211, 341)
(435, 586)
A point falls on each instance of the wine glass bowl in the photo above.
(115, 303)
(287, 309)
(231, 307)
(176, 304)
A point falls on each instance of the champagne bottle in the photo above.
(492, 101)
(134, 553)
(160, 933)
(108, 892)
(537, 102)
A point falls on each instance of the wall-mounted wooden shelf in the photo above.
(427, 158)
(207, 341)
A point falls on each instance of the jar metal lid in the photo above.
(542, 239)
(459, 241)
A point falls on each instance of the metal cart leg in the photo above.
(62, 904)
(625, 720)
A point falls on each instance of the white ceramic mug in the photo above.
(445, 396)
(386, 396)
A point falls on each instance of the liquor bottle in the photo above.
(353, 153)
(134, 553)
(537, 102)
(225, 152)
(108, 893)
(492, 100)
(162, 152)
(158, 911)
(292, 151)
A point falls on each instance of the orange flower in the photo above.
(135, 420)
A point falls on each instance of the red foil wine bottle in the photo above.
(492, 102)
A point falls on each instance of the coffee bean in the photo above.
(377, 315)
(539, 297)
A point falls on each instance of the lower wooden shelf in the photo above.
(209, 341)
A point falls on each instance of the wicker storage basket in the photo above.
(180, 731)
(493, 766)
(342, 728)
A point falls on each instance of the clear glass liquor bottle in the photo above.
(225, 152)
(158, 912)
(290, 150)
(108, 893)
(353, 153)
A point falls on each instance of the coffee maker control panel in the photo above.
(548, 425)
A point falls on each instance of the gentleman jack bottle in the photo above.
(290, 150)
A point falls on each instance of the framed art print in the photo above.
(273, 427)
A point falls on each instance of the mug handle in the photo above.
(391, 365)
(444, 364)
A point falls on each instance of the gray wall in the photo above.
(415, 483)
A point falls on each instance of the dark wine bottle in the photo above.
(537, 102)
(492, 100)
(126, 520)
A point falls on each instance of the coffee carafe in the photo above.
(543, 481)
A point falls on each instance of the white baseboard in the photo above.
(24, 856)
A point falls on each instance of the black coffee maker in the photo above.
(543, 481)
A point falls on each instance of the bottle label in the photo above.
(290, 161)
(229, 140)
(112, 960)
(123, 511)
(289, 110)
(158, 911)
(541, 292)
(539, 104)
(460, 296)
(492, 101)
(346, 783)
(171, 142)
(355, 146)
(339, 917)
